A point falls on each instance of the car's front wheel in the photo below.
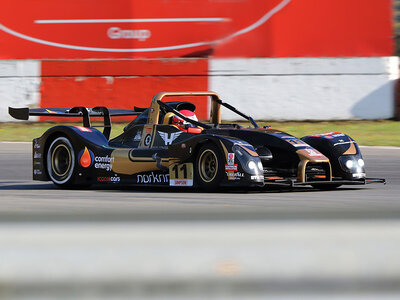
(209, 166)
(61, 162)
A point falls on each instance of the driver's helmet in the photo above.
(182, 124)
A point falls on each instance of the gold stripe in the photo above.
(251, 152)
(225, 150)
(123, 164)
(305, 158)
(352, 150)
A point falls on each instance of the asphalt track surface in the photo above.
(25, 200)
(147, 243)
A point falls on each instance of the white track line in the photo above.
(15, 142)
(382, 147)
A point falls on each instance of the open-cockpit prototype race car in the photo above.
(154, 151)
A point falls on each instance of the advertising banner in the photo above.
(76, 29)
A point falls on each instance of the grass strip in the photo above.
(368, 133)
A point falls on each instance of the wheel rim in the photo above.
(61, 160)
(208, 165)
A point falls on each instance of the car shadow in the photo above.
(17, 185)
(222, 190)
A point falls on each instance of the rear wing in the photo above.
(77, 111)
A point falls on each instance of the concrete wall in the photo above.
(307, 88)
(266, 88)
(19, 85)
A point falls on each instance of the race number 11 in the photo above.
(181, 174)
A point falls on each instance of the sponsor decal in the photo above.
(138, 136)
(324, 134)
(181, 182)
(294, 141)
(234, 175)
(231, 167)
(37, 172)
(312, 152)
(169, 139)
(181, 174)
(86, 157)
(147, 140)
(257, 177)
(359, 175)
(104, 162)
(36, 145)
(118, 33)
(83, 129)
(37, 155)
(231, 158)
(148, 130)
(329, 135)
(113, 179)
(152, 178)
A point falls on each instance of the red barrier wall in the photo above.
(118, 53)
(78, 29)
(121, 83)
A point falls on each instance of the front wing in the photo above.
(294, 183)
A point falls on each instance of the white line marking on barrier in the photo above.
(258, 23)
(155, 20)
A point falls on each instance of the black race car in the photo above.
(154, 151)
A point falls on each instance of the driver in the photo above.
(182, 124)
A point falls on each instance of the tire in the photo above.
(209, 168)
(61, 162)
(326, 187)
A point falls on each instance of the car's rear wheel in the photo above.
(209, 166)
(61, 162)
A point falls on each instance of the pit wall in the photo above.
(266, 88)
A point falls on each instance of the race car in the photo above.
(165, 145)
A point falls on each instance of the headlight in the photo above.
(361, 162)
(349, 164)
(252, 165)
(352, 164)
